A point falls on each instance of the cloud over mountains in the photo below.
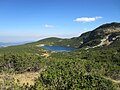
(87, 19)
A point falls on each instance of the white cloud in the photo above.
(48, 26)
(99, 17)
(87, 19)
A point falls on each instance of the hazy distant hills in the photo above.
(104, 35)
(3, 44)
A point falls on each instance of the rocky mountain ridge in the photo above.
(103, 35)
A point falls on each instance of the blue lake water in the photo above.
(59, 48)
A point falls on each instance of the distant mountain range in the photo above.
(3, 44)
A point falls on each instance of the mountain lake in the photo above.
(59, 48)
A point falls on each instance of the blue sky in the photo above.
(28, 20)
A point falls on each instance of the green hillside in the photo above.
(95, 65)
(106, 33)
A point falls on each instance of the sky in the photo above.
(31, 20)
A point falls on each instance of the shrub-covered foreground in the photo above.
(92, 69)
(70, 75)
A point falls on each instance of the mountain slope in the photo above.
(104, 35)
(53, 41)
